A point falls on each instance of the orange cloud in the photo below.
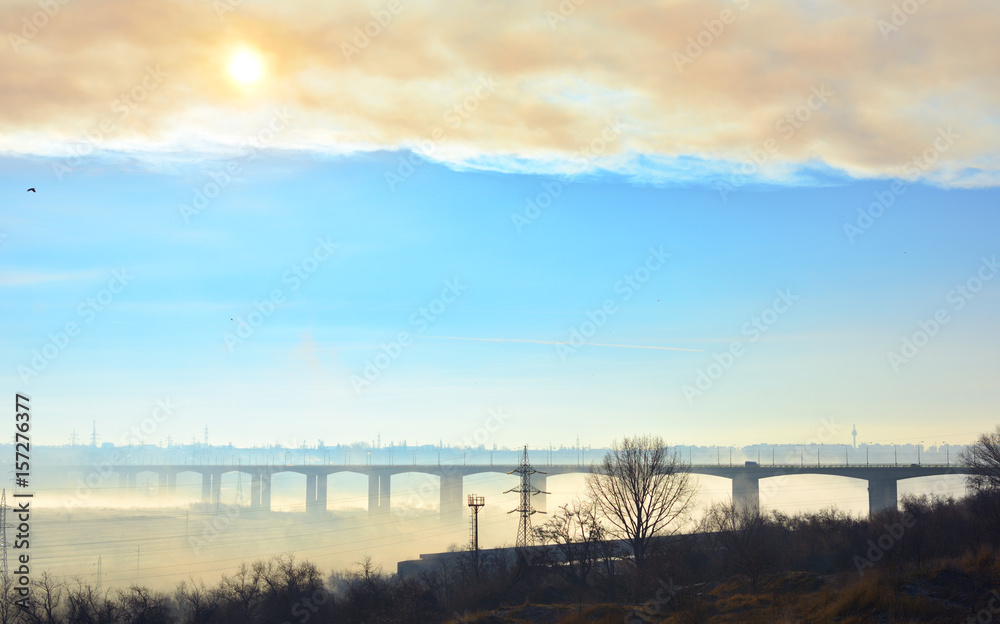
(720, 86)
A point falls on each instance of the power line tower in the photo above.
(475, 502)
(93, 435)
(526, 490)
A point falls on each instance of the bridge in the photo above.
(746, 480)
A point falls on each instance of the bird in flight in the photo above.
(31, 190)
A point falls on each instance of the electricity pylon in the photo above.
(526, 490)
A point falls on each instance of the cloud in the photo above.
(557, 342)
(17, 277)
(699, 89)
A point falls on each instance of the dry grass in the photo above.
(946, 591)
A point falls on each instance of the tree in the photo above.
(746, 535)
(983, 457)
(642, 490)
(575, 531)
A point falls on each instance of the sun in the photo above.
(246, 67)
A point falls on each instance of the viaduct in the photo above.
(746, 479)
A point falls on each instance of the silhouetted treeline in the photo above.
(739, 543)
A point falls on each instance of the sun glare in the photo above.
(245, 67)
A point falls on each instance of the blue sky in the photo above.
(165, 334)
(292, 242)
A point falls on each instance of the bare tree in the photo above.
(984, 458)
(642, 490)
(197, 603)
(746, 535)
(575, 530)
(984, 479)
(47, 594)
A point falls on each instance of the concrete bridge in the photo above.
(746, 479)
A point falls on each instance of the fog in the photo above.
(142, 535)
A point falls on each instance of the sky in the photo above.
(719, 222)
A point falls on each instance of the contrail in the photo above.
(558, 342)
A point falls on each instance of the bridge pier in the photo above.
(881, 495)
(372, 494)
(255, 491)
(122, 482)
(260, 491)
(321, 492)
(746, 490)
(539, 500)
(378, 493)
(316, 492)
(206, 487)
(310, 492)
(161, 484)
(265, 491)
(131, 482)
(451, 496)
(383, 493)
(216, 488)
(172, 485)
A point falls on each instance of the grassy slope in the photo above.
(944, 591)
